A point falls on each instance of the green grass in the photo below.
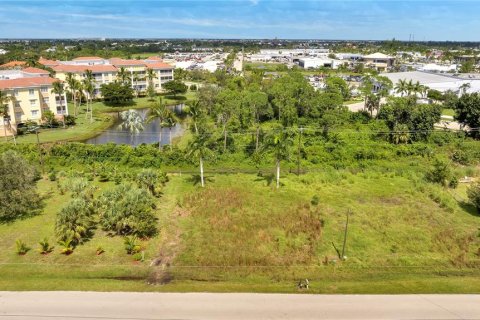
(448, 112)
(241, 234)
(102, 119)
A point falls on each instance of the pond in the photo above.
(150, 134)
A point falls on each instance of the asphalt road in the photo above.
(96, 305)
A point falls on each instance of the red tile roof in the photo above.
(81, 69)
(12, 64)
(159, 65)
(126, 62)
(154, 59)
(47, 62)
(26, 82)
(35, 70)
(87, 58)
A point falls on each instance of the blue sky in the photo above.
(299, 19)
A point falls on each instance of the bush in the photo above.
(474, 195)
(131, 245)
(52, 176)
(18, 196)
(150, 180)
(69, 120)
(127, 210)
(21, 247)
(45, 247)
(67, 246)
(193, 87)
(75, 221)
(440, 173)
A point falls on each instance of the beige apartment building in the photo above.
(30, 95)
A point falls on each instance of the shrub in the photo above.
(67, 246)
(21, 247)
(151, 180)
(45, 247)
(69, 120)
(99, 250)
(474, 195)
(453, 183)
(127, 210)
(315, 200)
(75, 221)
(52, 176)
(193, 87)
(440, 173)
(131, 245)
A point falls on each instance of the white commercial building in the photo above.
(313, 63)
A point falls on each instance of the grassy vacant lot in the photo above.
(241, 234)
(102, 119)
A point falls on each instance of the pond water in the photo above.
(150, 134)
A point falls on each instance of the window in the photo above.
(33, 102)
(46, 100)
(15, 93)
(17, 104)
(18, 115)
(31, 92)
(44, 89)
(156, 86)
(34, 113)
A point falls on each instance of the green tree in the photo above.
(175, 87)
(256, 104)
(18, 194)
(88, 87)
(59, 90)
(279, 144)
(117, 93)
(158, 111)
(338, 85)
(150, 180)
(170, 121)
(73, 84)
(48, 118)
(199, 148)
(123, 76)
(4, 100)
(467, 112)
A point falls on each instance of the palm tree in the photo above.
(195, 111)
(151, 75)
(373, 103)
(72, 86)
(400, 134)
(401, 87)
(280, 143)
(4, 100)
(59, 90)
(158, 111)
(464, 87)
(89, 89)
(123, 75)
(132, 121)
(198, 148)
(170, 121)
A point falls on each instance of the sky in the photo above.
(454, 20)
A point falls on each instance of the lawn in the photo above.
(448, 112)
(102, 119)
(241, 234)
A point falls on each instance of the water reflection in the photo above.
(150, 134)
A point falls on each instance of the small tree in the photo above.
(150, 180)
(474, 195)
(199, 149)
(440, 173)
(117, 93)
(280, 145)
(18, 196)
(175, 87)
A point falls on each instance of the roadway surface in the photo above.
(146, 306)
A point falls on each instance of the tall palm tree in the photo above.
(170, 121)
(464, 87)
(280, 144)
(401, 87)
(198, 148)
(158, 111)
(123, 75)
(59, 90)
(195, 112)
(132, 121)
(72, 87)
(89, 88)
(4, 100)
(151, 75)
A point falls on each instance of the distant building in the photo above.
(3, 51)
(313, 63)
(379, 61)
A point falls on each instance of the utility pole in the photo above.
(345, 236)
(299, 149)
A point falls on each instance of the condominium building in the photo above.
(107, 70)
(30, 96)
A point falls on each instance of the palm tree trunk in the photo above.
(170, 137)
(257, 138)
(278, 173)
(160, 138)
(91, 110)
(195, 125)
(13, 133)
(201, 172)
